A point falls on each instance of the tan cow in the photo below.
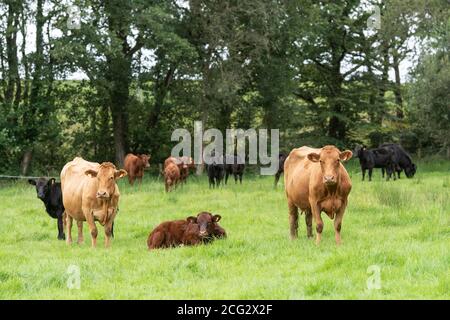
(315, 181)
(90, 193)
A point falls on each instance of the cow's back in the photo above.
(130, 163)
(297, 173)
(73, 182)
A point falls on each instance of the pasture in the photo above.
(401, 227)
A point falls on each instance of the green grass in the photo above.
(403, 227)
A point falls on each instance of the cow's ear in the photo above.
(120, 174)
(314, 157)
(32, 181)
(217, 217)
(91, 173)
(191, 219)
(51, 181)
(345, 155)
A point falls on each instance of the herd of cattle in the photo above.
(315, 181)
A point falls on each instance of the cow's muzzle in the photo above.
(329, 180)
(102, 194)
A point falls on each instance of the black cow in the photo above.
(375, 158)
(235, 166)
(50, 193)
(402, 160)
(215, 171)
(281, 158)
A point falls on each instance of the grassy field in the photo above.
(402, 228)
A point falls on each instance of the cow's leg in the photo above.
(363, 173)
(318, 220)
(226, 177)
(240, 178)
(69, 220)
(370, 174)
(112, 227)
(80, 232)
(293, 220)
(211, 182)
(61, 226)
(338, 223)
(235, 178)
(308, 220)
(92, 228)
(108, 234)
(382, 173)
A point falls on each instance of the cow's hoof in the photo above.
(63, 237)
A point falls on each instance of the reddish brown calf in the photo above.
(192, 231)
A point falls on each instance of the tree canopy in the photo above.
(103, 78)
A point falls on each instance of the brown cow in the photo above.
(90, 193)
(188, 163)
(135, 165)
(171, 176)
(184, 164)
(316, 181)
(192, 231)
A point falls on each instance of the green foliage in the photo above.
(309, 68)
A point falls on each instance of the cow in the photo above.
(49, 192)
(281, 159)
(234, 166)
(215, 171)
(191, 231)
(375, 158)
(171, 176)
(183, 163)
(402, 159)
(187, 164)
(316, 181)
(135, 165)
(90, 193)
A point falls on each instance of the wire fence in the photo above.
(24, 177)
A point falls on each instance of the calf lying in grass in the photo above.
(192, 231)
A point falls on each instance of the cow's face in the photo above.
(359, 150)
(145, 160)
(106, 175)
(206, 222)
(42, 186)
(410, 170)
(330, 161)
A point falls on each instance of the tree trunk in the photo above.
(26, 161)
(11, 53)
(397, 88)
(119, 127)
(35, 102)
